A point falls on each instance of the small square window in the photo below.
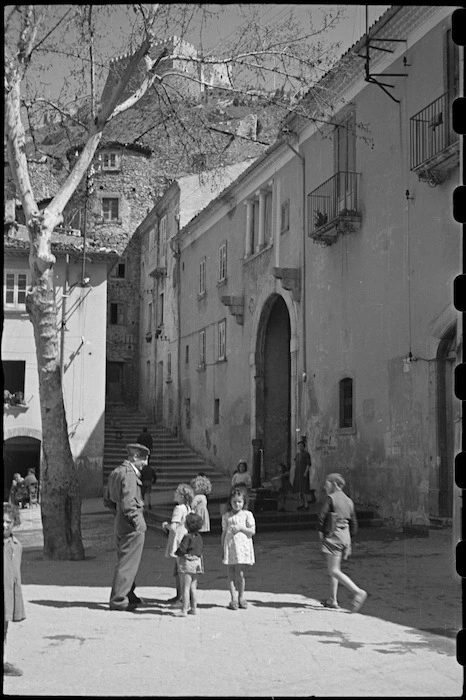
(111, 160)
(110, 208)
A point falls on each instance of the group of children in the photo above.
(337, 522)
(189, 519)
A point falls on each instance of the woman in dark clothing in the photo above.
(336, 539)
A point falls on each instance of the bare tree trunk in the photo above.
(61, 498)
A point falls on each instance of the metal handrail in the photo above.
(336, 197)
(431, 131)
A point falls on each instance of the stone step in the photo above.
(174, 461)
(266, 521)
(124, 435)
(160, 454)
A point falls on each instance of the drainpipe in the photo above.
(175, 247)
(65, 294)
(303, 285)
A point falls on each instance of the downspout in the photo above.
(64, 295)
(174, 245)
(303, 288)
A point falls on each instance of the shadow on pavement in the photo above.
(409, 579)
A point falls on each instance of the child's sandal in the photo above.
(233, 605)
(243, 604)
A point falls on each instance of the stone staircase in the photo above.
(176, 463)
(172, 459)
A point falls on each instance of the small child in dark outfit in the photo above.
(190, 563)
(13, 604)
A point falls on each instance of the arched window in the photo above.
(346, 403)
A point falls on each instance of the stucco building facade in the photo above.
(315, 294)
(82, 312)
(162, 287)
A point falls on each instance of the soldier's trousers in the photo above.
(129, 552)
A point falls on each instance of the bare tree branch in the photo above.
(36, 46)
(150, 78)
(60, 110)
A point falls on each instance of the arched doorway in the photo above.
(446, 357)
(273, 381)
(19, 454)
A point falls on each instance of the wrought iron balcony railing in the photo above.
(333, 204)
(431, 134)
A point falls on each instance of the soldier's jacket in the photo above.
(123, 494)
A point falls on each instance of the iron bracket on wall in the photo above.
(372, 77)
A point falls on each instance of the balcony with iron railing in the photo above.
(334, 208)
(434, 146)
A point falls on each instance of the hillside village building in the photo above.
(178, 57)
(315, 292)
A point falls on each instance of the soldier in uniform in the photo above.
(124, 496)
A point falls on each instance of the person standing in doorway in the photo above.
(124, 495)
(299, 476)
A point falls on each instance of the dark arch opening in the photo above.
(19, 454)
(273, 382)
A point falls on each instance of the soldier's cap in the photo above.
(137, 447)
(301, 442)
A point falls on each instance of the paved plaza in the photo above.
(401, 644)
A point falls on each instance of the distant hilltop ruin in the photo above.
(182, 59)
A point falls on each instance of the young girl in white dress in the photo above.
(238, 529)
(202, 487)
